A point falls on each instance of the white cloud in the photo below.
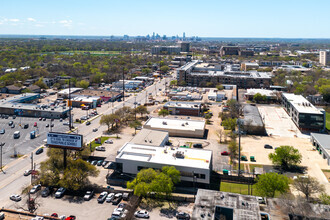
(31, 19)
(39, 25)
(14, 20)
(66, 23)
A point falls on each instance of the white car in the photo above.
(122, 210)
(118, 215)
(141, 214)
(110, 197)
(108, 141)
(15, 197)
(100, 148)
(35, 188)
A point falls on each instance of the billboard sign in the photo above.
(65, 141)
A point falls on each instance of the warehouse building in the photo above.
(22, 105)
(253, 123)
(81, 100)
(65, 92)
(322, 145)
(105, 95)
(195, 165)
(184, 108)
(305, 115)
(151, 137)
(177, 127)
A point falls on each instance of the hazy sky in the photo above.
(205, 18)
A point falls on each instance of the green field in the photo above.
(236, 188)
(94, 145)
(328, 120)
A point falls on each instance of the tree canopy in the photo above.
(159, 182)
(109, 120)
(270, 183)
(308, 186)
(163, 112)
(285, 157)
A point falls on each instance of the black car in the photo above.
(26, 126)
(197, 146)
(10, 123)
(39, 151)
(14, 116)
(267, 146)
(116, 201)
(182, 215)
(2, 131)
(47, 191)
(88, 123)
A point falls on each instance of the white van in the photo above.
(17, 134)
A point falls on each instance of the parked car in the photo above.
(95, 130)
(117, 199)
(198, 146)
(44, 119)
(35, 189)
(224, 153)
(54, 215)
(47, 191)
(35, 124)
(94, 162)
(66, 123)
(47, 125)
(88, 123)
(15, 197)
(71, 217)
(40, 119)
(12, 126)
(100, 148)
(39, 151)
(60, 192)
(267, 146)
(108, 141)
(118, 215)
(14, 116)
(141, 214)
(99, 163)
(26, 126)
(125, 196)
(10, 123)
(2, 131)
(27, 172)
(102, 197)
(89, 194)
(182, 215)
(110, 197)
(104, 163)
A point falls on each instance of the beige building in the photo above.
(177, 127)
(324, 57)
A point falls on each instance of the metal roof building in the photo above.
(322, 144)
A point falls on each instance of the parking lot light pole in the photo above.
(239, 121)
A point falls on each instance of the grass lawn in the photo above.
(96, 145)
(236, 188)
(328, 120)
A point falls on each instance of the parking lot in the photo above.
(24, 144)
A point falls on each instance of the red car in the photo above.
(224, 153)
(71, 217)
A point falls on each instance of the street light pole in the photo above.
(239, 146)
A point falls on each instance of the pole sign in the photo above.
(65, 141)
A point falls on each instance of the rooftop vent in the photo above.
(182, 124)
(164, 123)
(179, 154)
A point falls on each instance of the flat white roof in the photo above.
(190, 105)
(301, 104)
(265, 92)
(82, 98)
(197, 158)
(72, 90)
(176, 124)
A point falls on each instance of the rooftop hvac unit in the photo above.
(186, 123)
(179, 154)
(182, 124)
(164, 123)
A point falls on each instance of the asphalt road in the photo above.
(12, 180)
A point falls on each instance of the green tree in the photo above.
(164, 69)
(141, 110)
(146, 70)
(219, 87)
(163, 112)
(83, 84)
(209, 84)
(135, 124)
(109, 120)
(174, 83)
(259, 98)
(233, 151)
(207, 116)
(149, 180)
(285, 157)
(125, 114)
(270, 183)
(325, 199)
(229, 123)
(308, 186)
(41, 83)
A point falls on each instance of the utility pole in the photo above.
(239, 146)
(1, 145)
(123, 86)
(32, 167)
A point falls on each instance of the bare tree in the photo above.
(308, 186)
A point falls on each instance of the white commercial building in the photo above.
(65, 92)
(195, 165)
(151, 137)
(177, 127)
